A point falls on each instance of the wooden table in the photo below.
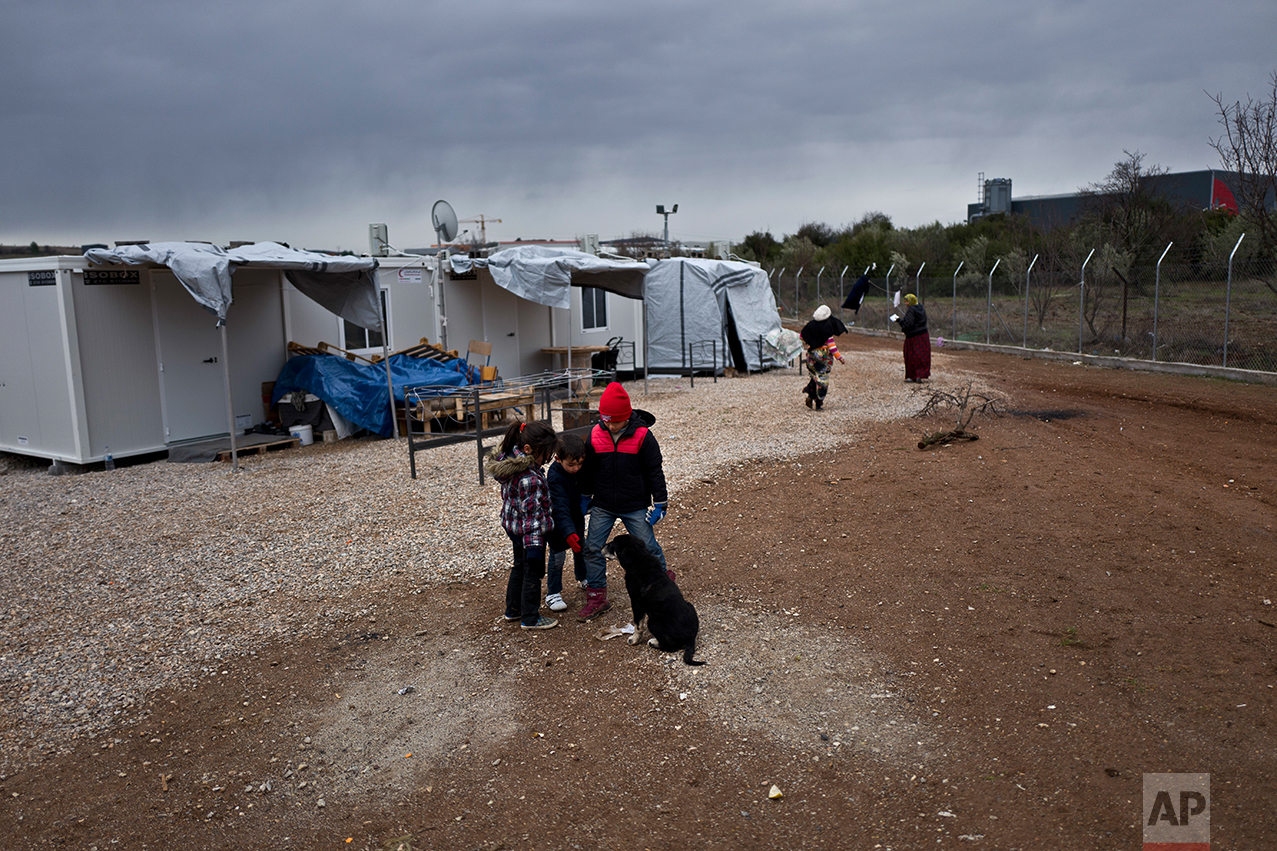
(497, 403)
(580, 360)
(491, 402)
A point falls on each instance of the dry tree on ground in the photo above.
(965, 403)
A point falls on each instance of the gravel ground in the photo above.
(116, 584)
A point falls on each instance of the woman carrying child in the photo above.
(525, 516)
(818, 336)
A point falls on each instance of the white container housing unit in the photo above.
(122, 357)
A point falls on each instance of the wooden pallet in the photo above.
(425, 349)
(260, 448)
(299, 349)
(326, 349)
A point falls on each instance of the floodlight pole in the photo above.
(661, 211)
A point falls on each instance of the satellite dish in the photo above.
(444, 220)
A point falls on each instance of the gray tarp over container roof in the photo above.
(542, 274)
(342, 284)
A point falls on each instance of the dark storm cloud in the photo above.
(311, 119)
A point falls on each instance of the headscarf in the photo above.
(911, 299)
(822, 313)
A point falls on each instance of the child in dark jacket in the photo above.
(525, 516)
(569, 521)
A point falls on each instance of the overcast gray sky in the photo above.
(304, 122)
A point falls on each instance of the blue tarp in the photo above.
(357, 391)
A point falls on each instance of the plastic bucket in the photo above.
(304, 433)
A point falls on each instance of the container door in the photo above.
(501, 328)
(191, 369)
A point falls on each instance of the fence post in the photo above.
(797, 278)
(1081, 304)
(1228, 295)
(841, 297)
(818, 274)
(917, 285)
(988, 308)
(1157, 294)
(955, 297)
(1025, 343)
(889, 271)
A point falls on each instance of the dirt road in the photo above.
(983, 645)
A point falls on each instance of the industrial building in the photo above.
(1198, 190)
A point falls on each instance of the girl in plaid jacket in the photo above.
(525, 515)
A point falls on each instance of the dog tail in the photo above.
(688, 652)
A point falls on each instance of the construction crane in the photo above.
(483, 230)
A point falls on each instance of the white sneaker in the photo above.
(555, 602)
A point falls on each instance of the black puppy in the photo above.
(654, 597)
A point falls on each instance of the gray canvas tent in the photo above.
(692, 300)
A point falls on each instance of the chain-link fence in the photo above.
(1203, 313)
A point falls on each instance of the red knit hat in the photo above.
(615, 403)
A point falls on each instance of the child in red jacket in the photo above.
(625, 479)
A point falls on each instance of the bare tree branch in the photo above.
(965, 403)
(1248, 147)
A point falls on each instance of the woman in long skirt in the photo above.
(917, 341)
